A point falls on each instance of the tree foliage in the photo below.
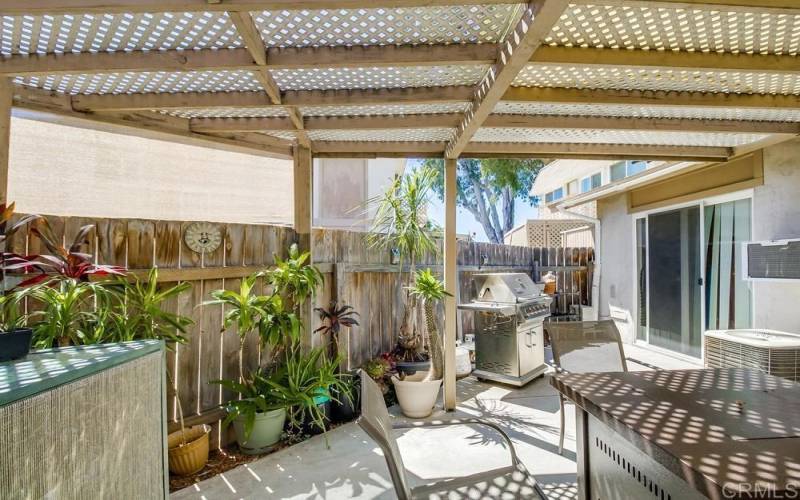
(487, 188)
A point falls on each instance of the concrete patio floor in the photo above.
(353, 466)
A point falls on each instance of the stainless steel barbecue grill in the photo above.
(509, 339)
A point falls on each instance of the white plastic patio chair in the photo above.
(512, 482)
(584, 347)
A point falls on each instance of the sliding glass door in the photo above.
(674, 280)
(688, 274)
(728, 298)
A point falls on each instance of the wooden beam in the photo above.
(303, 168)
(48, 106)
(461, 54)
(112, 62)
(656, 124)
(666, 59)
(756, 6)
(650, 98)
(327, 123)
(450, 283)
(18, 7)
(598, 151)
(178, 100)
(6, 98)
(251, 36)
(536, 23)
(373, 149)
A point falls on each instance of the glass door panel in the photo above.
(641, 278)
(728, 298)
(673, 275)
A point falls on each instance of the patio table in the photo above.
(685, 434)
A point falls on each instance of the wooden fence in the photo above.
(354, 274)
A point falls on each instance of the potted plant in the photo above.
(259, 415)
(417, 393)
(313, 378)
(15, 339)
(187, 449)
(400, 225)
(345, 403)
(256, 418)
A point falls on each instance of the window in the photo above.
(554, 195)
(628, 168)
(572, 187)
(591, 182)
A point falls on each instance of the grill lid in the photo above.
(509, 288)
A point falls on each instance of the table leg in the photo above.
(582, 452)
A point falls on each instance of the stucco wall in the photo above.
(617, 261)
(776, 215)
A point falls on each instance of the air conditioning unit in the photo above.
(771, 260)
(770, 351)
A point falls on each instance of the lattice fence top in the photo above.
(388, 26)
(637, 111)
(622, 78)
(376, 78)
(116, 32)
(161, 81)
(590, 136)
(669, 28)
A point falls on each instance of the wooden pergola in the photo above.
(680, 80)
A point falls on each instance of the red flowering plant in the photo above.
(62, 262)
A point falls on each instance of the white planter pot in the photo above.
(415, 395)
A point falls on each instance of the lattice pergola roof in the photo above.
(688, 79)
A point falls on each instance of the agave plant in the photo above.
(428, 288)
(62, 262)
(333, 319)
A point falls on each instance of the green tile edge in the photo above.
(111, 355)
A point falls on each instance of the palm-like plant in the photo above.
(250, 312)
(139, 314)
(69, 315)
(294, 278)
(400, 224)
(428, 288)
(333, 319)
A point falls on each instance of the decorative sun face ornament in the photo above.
(202, 237)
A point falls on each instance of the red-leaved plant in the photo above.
(62, 262)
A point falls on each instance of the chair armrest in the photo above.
(464, 421)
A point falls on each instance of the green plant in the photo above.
(139, 313)
(333, 319)
(428, 288)
(294, 278)
(250, 312)
(69, 314)
(11, 316)
(259, 394)
(309, 377)
(401, 224)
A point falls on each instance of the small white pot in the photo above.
(415, 395)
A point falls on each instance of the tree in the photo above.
(487, 188)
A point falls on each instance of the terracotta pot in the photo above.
(185, 459)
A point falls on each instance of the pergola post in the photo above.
(450, 284)
(6, 96)
(302, 181)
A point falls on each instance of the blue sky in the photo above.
(465, 222)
